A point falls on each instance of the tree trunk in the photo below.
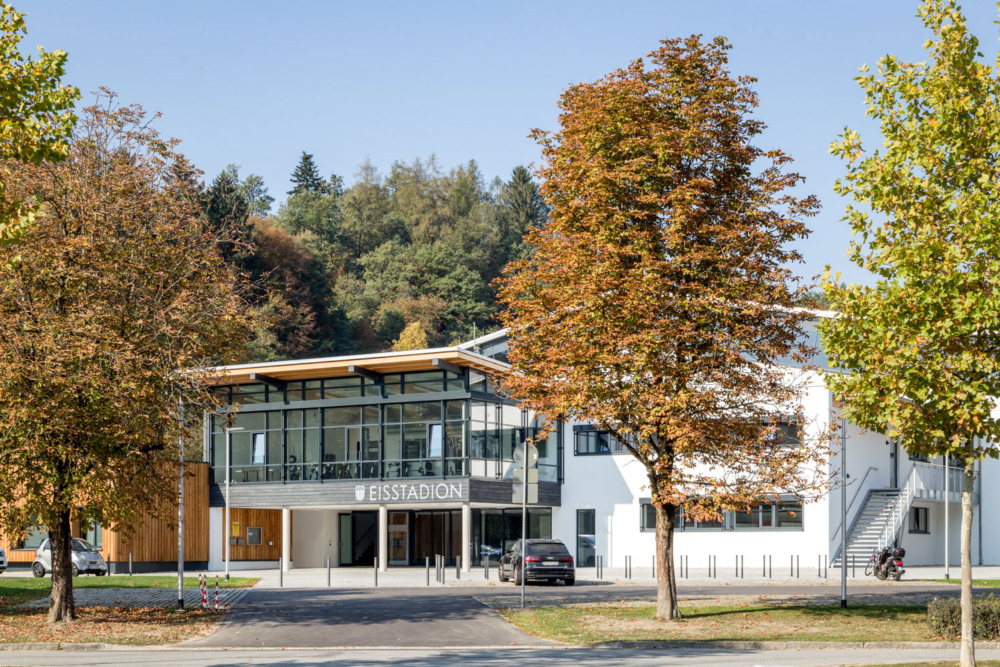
(666, 581)
(968, 657)
(61, 607)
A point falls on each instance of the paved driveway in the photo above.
(372, 617)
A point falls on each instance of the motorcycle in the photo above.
(885, 563)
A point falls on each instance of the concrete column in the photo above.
(335, 537)
(466, 537)
(383, 538)
(286, 539)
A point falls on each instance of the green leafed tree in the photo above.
(255, 194)
(36, 114)
(306, 177)
(920, 349)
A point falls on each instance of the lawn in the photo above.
(105, 625)
(983, 583)
(16, 590)
(613, 622)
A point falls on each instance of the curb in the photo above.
(723, 645)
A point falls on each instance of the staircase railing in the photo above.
(923, 477)
(851, 504)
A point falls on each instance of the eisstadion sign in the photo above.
(410, 492)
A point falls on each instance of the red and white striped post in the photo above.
(216, 592)
(204, 592)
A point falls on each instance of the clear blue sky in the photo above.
(255, 83)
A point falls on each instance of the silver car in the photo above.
(85, 559)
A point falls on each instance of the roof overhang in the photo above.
(385, 363)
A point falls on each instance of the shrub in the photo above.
(945, 618)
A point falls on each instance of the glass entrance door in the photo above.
(399, 542)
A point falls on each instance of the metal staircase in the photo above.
(882, 516)
(866, 528)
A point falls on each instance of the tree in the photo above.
(306, 177)
(920, 348)
(657, 302)
(228, 213)
(119, 287)
(255, 194)
(36, 114)
(414, 337)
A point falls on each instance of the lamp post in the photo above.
(228, 431)
(180, 510)
(843, 512)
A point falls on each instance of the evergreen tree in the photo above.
(228, 214)
(306, 177)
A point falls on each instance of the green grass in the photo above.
(602, 623)
(983, 583)
(16, 590)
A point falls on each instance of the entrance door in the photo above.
(431, 536)
(399, 542)
(365, 540)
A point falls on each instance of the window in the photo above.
(586, 538)
(918, 520)
(253, 536)
(34, 536)
(587, 441)
(787, 514)
(647, 516)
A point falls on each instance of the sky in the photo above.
(256, 83)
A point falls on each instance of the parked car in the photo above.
(546, 560)
(3, 561)
(86, 559)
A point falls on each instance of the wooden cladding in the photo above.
(269, 522)
(392, 362)
(156, 539)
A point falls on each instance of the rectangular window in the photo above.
(647, 516)
(586, 538)
(253, 536)
(918, 521)
(259, 448)
(587, 441)
(34, 537)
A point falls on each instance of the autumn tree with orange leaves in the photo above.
(120, 287)
(659, 298)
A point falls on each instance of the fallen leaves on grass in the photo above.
(110, 625)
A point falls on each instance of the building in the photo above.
(399, 457)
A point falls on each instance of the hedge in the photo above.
(945, 617)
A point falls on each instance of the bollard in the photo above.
(486, 567)
(819, 566)
(376, 571)
(763, 567)
(854, 572)
(709, 567)
(791, 566)
(653, 568)
(458, 568)
(797, 576)
(825, 571)
(204, 592)
(770, 567)
(427, 565)
(216, 592)
(328, 572)
(130, 563)
(687, 566)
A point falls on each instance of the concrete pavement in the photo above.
(557, 657)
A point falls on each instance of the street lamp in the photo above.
(226, 530)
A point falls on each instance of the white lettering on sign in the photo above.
(378, 493)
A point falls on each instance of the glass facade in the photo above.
(349, 428)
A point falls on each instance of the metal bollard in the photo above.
(486, 567)
(458, 568)
(826, 572)
(130, 563)
(328, 572)
(797, 567)
(281, 572)
(854, 572)
(763, 567)
(791, 566)
(770, 567)
(819, 566)
(427, 566)
(376, 571)
(653, 568)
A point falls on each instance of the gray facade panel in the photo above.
(374, 492)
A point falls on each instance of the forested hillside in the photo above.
(398, 260)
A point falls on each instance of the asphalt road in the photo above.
(488, 658)
(435, 617)
(369, 617)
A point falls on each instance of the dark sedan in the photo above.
(546, 560)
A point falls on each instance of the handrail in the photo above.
(851, 504)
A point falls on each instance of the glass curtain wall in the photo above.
(351, 442)
(495, 531)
